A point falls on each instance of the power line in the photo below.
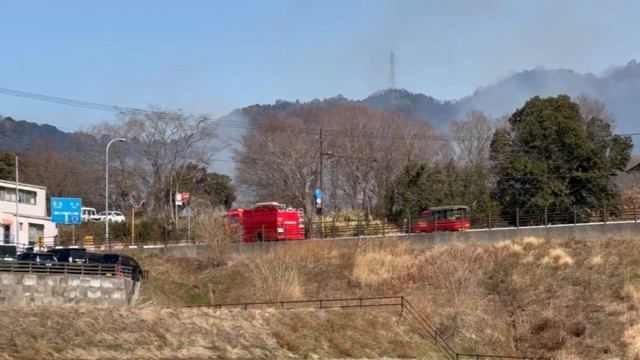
(429, 176)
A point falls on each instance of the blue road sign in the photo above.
(66, 210)
(318, 194)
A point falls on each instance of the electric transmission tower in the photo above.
(392, 78)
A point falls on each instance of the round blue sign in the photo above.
(318, 194)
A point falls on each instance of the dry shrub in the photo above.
(531, 241)
(558, 257)
(275, 275)
(455, 270)
(548, 334)
(355, 223)
(506, 244)
(596, 260)
(377, 262)
(528, 259)
(209, 229)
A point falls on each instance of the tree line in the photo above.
(552, 152)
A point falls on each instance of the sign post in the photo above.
(318, 196)
(185, 198)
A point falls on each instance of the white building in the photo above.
(32, 214)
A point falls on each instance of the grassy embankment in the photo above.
(569, 299)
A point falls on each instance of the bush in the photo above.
(209, 229)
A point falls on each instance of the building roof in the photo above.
(12, 184)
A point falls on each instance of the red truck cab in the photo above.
(443, 218)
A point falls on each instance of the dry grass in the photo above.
(377, 262)
(531, 241)
(583, 304)
(156, 333)
(275, 276)
(485, 298)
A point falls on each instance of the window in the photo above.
(27, 197)
(24, 196)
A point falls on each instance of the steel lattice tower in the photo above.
(392, 78)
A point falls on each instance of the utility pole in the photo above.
(17, 202)
(319, 210)
(321, 161)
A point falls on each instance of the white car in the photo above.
(88, 214)
(114, 216)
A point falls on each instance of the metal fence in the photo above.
(331, 228)
(396, 303)
(63, 268)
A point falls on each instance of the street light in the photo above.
(106, 190)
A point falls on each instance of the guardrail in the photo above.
(63, 268)
(347, 303)
(332, 228)
(401, 303)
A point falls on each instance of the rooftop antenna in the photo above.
(392, 78)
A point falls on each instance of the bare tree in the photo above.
(61, 171)
(472, 136)
(159, 143)
(279, 158)
(593, 108)
(363, 151)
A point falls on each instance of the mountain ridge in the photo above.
(618, 87)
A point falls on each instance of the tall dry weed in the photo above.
(377, 262)
(210, 229)
(275, 275)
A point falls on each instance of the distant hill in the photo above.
(618, 88)
(18, 135)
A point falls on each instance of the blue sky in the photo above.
(214, 56)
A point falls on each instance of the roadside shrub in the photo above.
(209, 229)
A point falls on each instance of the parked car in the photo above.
(137, 273)
(45, 258)
(114, 216)
(71, 255)
(88, 214)
(8, 252)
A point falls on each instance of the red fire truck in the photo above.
(268, 221)
(443, 218)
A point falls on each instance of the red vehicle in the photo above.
(268, 221)
(443, 218)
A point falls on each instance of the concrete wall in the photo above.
(581, 231)
(25, 289)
